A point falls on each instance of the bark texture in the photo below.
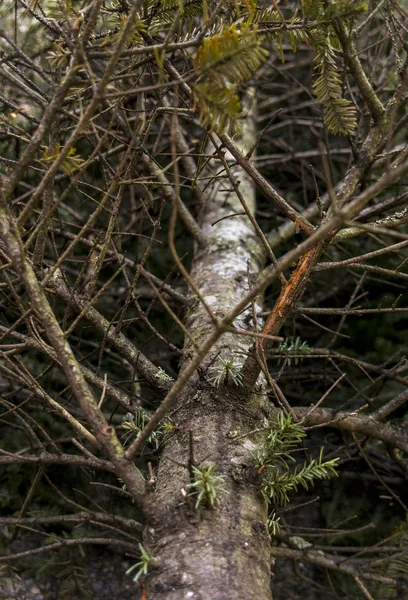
(223, 552)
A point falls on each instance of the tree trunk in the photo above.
(219, 552)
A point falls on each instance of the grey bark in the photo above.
(223, 552)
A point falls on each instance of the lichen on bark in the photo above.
(221, 552)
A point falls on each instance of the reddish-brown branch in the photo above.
(290, 293)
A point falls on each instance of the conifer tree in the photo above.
(203, 254)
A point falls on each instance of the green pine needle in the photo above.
(207, 487)
(224, 61)
(272, 461)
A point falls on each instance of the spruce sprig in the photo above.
(144, 563)
(317, 28)
(223, 62)
(165, 13)
(339, 113)
(207, 486)
(272, 461)
(278, 486)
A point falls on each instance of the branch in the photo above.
(26, 378)
(334, 265)
(118, 395)
(398, 218)
(80, 517)
(354, 264)
(169, 192)
(391, 435)
(75, 542)
(8, 458)
(98, 93)
(328, 562)
(372, 101)
(104, 433)
(121, 258)
(299, 221)
(188, 372)
(392, 405)
(126, 349)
